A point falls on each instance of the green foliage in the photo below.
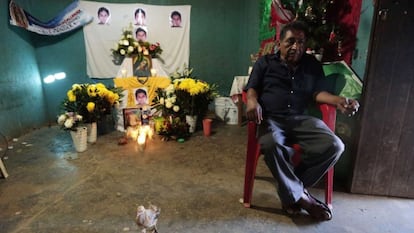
(174, 128)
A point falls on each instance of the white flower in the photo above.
(162, 100)
(79, 117)
(126, 42)
(168, 104)
(61, 119)
(176, 108)
(122, 52)
(130, 49)
(170, 89)
(173, 99)
(69, 122)
(129, 36)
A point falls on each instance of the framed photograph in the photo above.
(143, 68)
(132, 117)
(141, 96)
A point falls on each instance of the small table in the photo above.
(239, 82)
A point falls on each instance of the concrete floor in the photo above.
(197, 184)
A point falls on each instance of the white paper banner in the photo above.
(70, 18)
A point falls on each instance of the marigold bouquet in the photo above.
(193, 95)
(91, 101)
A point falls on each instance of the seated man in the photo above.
(279, 90)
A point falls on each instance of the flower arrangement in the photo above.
(128, 46)
(185, 96)
(174, 128)
(154, 50)
(69, 120)
(90, 101)
(166, 101)
(193, 95)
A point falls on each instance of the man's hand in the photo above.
(254, 111)
(348, 106)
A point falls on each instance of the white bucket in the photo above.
(226, 110)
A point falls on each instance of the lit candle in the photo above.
(141, 141)
(149, 132)
(153, 72)
(133, 133)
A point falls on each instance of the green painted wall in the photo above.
(22, 106)
(363, 37)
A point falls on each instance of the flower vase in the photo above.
(207, 126)
(92, 132)
(79, 138)
(192, 122)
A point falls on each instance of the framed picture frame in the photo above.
(142, 68)
(141, 96)
(131, 116)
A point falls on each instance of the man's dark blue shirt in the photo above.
(282, 91)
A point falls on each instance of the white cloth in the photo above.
(101, 38)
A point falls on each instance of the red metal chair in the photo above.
(253, 154)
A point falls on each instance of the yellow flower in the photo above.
(192, 86)
(92, 90)
(100, 86)
(110, 96)
(102, 92)
(71, 96)
(90, 106)
(76, 87)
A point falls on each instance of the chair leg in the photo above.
(250, 173)
(329, 187)
(252, 155)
